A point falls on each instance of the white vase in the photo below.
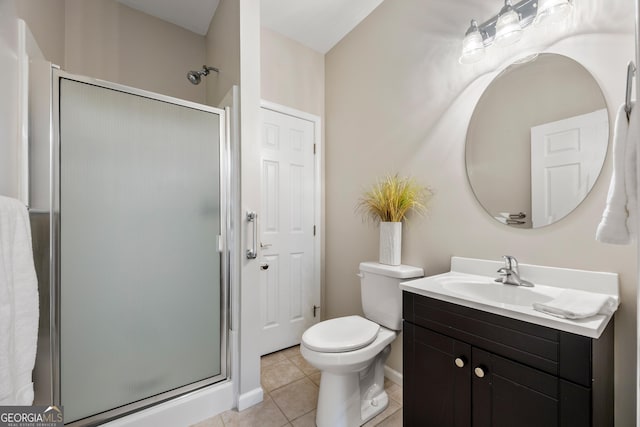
(390, 243)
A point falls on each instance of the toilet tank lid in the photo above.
(395, 271)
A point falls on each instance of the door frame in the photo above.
(317, 189)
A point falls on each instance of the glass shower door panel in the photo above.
(140, 268)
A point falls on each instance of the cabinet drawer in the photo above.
(558, 353)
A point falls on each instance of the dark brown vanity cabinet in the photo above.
(465, 367)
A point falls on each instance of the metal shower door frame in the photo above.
(54, 242)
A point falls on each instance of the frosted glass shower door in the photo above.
(140, 266)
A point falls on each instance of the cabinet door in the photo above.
(507, 394)
(438, 385)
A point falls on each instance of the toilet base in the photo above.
(352, 399)
(371, 408)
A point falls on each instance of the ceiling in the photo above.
(194, 15)
(318, 24)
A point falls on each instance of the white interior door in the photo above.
(566, 157)
(289, 281)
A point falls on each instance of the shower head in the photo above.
(196, 76)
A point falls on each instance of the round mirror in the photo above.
(536, 141)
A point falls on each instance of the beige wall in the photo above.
(398, 101)
(223, 50)
(110, 41)
(291, 73)
(45, 19)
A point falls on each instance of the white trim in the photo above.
(250, 398)
(317, 197)
(231, 104)
(292, 112)
(392, 375)
(182, 411)
(23, 114)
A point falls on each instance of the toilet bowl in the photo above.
(352, 382)
(351, 351)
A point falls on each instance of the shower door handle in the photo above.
(252, 217)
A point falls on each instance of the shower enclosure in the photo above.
(132, 239)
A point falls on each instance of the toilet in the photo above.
(351, 351)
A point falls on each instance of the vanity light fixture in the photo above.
(506, 27)
(552, 11)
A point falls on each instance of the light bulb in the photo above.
(552, 11)
(508, 29)
(472, 45)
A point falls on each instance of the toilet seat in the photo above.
(340, 335)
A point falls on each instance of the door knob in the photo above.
(460, 362)
(479, 371)
(264, 266)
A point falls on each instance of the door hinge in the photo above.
(314, 148)
(314, 230)
(315, 309)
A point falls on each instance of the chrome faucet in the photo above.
(510, 275)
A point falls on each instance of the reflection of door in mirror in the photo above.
(565, 162)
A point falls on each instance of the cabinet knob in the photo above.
(460, 362)
(479, 372)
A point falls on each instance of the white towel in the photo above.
(18, 305)
(619, 216)
(573, 304)
(501, 219)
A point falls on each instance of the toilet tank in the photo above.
(381, 294)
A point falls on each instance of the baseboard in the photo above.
(393, 375)
(250, 398)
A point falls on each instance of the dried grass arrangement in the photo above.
(392, 198)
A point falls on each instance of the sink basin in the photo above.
(471, 283)
(486, 290)
(499, 293)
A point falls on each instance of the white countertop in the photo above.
(479, 291)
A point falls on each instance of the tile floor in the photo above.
(291, 394)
